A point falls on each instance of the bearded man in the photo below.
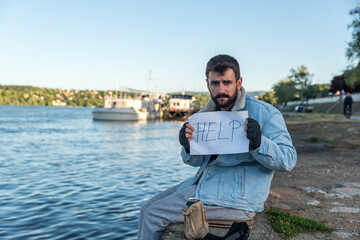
(232, 187)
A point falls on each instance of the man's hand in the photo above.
(253, 133)
(185, 136)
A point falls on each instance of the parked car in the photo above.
(301, 108)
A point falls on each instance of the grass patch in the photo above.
(289, 226)
(314, 139)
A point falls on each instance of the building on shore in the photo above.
(180, 106)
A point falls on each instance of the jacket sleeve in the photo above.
(192, 160)
(276, 151)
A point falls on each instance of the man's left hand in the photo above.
(253, 133)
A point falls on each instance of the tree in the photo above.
(352, 78)
(317, 90)
(285, 91)
(353, 50)
(269, 97)
(338, 83)
(322, 89)
(302, 78)
(201, 99)
(352, 75)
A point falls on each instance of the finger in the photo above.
(189, 137)
(188, 130)
(189, 126)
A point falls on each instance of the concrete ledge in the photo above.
(261, 230)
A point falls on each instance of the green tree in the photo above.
(352, 77)
(201, 99)
(269, 97)
(322, 89)
(353, 50)
(302, 78)
(285, 91)
(317, 90)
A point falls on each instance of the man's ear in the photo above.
(207, 84)
(239, 83)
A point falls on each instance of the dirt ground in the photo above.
(328, 154)
(324, 185)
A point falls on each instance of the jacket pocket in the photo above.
(225, 183)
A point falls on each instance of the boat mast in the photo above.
(150, 79)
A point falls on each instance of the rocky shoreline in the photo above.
(324, 185)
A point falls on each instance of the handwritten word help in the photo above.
(214, 130)
(219, 133)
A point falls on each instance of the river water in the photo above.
(65, 176)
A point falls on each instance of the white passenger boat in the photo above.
(124, 109)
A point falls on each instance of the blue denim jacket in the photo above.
(243, 181)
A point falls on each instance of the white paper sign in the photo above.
(219, 133)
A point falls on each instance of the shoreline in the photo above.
(323, 186)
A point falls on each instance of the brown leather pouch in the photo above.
(195, 222)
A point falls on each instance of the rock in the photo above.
(335, 195)
(348, 185)
(352, 130)
(336, 203)
(174, 231)
(313, 202)
(345, 191)
(353, 218)
(345, 210)
(343, 234)
(312, 190)
(282, 207)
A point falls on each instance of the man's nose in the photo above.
(221, 88)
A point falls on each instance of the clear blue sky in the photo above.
(104, 44)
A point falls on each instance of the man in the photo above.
(348, 101)
(231, 186)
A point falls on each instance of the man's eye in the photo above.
(215, 83)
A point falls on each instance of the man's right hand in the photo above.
(186, 135)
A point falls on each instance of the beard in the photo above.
(225, 104)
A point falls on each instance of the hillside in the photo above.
(35, 96)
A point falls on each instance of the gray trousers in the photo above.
(165, 208)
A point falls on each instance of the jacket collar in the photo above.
(210, 106)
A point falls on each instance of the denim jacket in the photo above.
(243, 181)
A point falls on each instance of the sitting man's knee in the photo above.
(149, 211)
(145, 206)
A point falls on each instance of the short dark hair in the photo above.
(222, 62)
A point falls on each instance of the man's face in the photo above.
(224, 88)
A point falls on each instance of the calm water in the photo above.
(65, 176)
